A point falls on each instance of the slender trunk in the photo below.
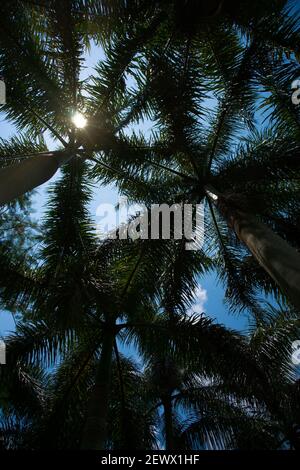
(275, 255)
(95, 429)
(168, 417)
(16, 180)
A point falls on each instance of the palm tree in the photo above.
(81, 285)
(47, 41)
(80, 297)
(48, 94)
(192, 154)
(222, 391)
(51, 91)
(241, 70)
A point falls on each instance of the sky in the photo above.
(209, 295)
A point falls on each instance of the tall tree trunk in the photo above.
(168, 417)
(95, 429)
(274, 254)
(16, 180)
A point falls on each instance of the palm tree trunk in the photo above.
(95, 429)
(168, 417)
(274, 254)
(16, 180)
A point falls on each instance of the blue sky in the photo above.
(209, 294)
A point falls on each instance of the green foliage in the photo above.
(204, 75)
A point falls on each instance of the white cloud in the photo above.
(201, 298)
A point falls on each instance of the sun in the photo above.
(79, 120)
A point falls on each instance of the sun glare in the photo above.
(79, 120)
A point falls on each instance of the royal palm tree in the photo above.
(55, 82)
(192, 151)
(239, 392)
(81, 297)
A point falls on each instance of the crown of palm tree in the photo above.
(197, 71)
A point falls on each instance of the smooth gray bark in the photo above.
(275, 255)
(16, 180)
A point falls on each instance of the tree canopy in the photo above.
(106, 353)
